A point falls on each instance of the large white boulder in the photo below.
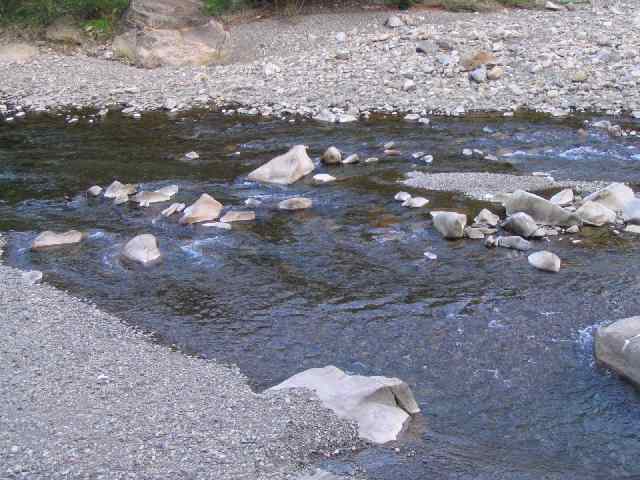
(142, 249)
(596, 214)
(614, 196)
(54, 239)
(541, 210)
(546, 261)
(286, 168)
(631, 211)
(487, 217)
(618, 347)
(449, 224)
(521, 224)
(563, 198)
(332, 156)
(205, 209)
(379, 405)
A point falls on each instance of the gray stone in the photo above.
(53, 239)
(618, 347)
(142, 249)
(332, 156)
(449, 224)
(380, 406)
(205, 209)
(486, 217)
(512, 242)
(321, 178)
(563, 198)
(353, 158)
(415, 202)
(286, 168)
(521, 224)
(479, 75)
(402, 196)
(94, 191)
(32, 277)
(542, 211)
(596, 214)
(173, 208)
(545, 260)
(117, 189)
(394, 22)
(631, 211)
(614, 196)
(295, 203)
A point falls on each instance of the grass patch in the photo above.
(43, 12)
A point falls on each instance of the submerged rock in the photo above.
(205, 209)
(332, 156)
(117, 189)
(521, 224)
(323, 178)
(618, 347)
(449, 224)
(563, 198)
(546, 261)
(286, 168)
(380, 406)
(147, 198)
(353, 158)
(295, 203)
(53, 239)
(513, 242)
(142, 249)
(169, 190)
(486, 217)
(221, 225)
(238, 216)
(596, 214)
(542, 211)
(614, 196)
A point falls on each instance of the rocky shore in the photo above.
(427, 62)
(85, 396)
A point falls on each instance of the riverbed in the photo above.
(498, 355)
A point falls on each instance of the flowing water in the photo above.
(498, 355)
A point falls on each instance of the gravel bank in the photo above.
(551, 62)
(85, 396)
(484, 186)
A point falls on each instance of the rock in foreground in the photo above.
(142, 249)
(379, 405)
(53, 239)
(205, 209)
(618, 347)
(449, 224)
(285, 169)
(546, 261)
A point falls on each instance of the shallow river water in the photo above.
(498, 355)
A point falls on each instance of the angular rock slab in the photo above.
(618, 347)
(205, 209)
(52, 239)
(142, 249)
(614, 196)
(521, 224)
(563, 198)
(332, 156)
(449, 224)
(117, 189)
(487, 217)
(285, 169)
(541, 210)
(379, 405)
(595, 214)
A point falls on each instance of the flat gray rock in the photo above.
(618, 347)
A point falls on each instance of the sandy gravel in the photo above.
(86, 397)
(551, 61)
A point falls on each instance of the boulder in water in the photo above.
(521, 224)
(380, 406)
(295, 203)
(449, 224)
(618, 347)
(614, 196)
(117, 189)
(563, 198)
(52, 239)
(631, 211)
(321, 178)
(542, 211)
(487, 217)
(238, 216)
(415, 202)
(285, 169)
(332, 156)
(402, 196)
(513, 242)
(546, 261)
(173, 208)
(205, 209)
(94, 191)
(142, 249)
(596, 214)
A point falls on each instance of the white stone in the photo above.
(546, 261)
(221, 225)
(402, 196)
(541, 210)
(353, 158)
(94, 191)
(449, 224)
(286, 168)
(486, 217)
(173, 208)
(117, 189)
(205, 209)
(415, 202)
(596, 214)
(142, 249)
(332, 156)
(563, 198)
(32, 277)
(53, 239)
(618, 347)
(614, 196)
(521, 224)
(323, 178)
(295, 203)
(238, 216)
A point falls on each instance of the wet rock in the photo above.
(596, 214)
(631, 211)
(486, 217)
(53, 239)
(200, 45)
(191, 156)
(614, 196)
(415, 202)
(295, 203)
(238, 216)
(618, 347)
(512, 242)
(117, 189)
(142, 249)
(286, 168)
(205, 209)
(521, 224)
(147, 198)
(321, 178)
(473, 233)
(17, 53)
(220, 225)
(94, 191)
(449, 224)
(563, 198)
(32, 277)
(353, 158)
(380, 406)
(332, 156)
(173, 208)
(546, 261)
(431, 255)
(542, 211)
(169, 190)
(402, 196)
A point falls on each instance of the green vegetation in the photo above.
(43, 12)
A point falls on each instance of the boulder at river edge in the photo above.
(53, 239)
(449, 224)
(142, 249)
(380, 406)
(286, 168)
(618, 347)
(614, 196)
(205, 209)
(521, 224)
(541, 210)
(596, 214)
(332, 156)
